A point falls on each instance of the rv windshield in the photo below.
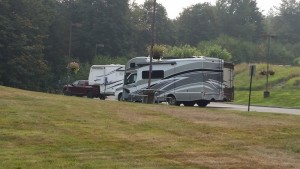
(130, 78)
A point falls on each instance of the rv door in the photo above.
(130, 82)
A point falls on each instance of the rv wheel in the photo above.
(120, 97)
(172, 101)
(202, 103)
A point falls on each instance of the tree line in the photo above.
(38, 38)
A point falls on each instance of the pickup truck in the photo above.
(81, 88)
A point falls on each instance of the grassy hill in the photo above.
(39, 130)
(284, 86)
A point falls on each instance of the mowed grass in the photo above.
(278, 98)
(39, 130)
(284, 86)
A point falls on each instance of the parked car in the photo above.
(81, 88)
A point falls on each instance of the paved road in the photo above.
(254, 108)
(245, 108)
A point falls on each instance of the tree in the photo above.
(164, 29)
(141, 17)
(24, 25)
(57, 44)
(240, 19)
(197, 23)
(286, 24)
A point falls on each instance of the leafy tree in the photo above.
(141, 16)
(105, 60)
(57, 45)
(295, 48)
(240, 19)
(280, 54)
(142, 28)
(24, 25)
(286, 23)
(197, 23)
(164, 29)
(297, 61)
(241, 51)
(94, 22)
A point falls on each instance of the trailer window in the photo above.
(155, 74)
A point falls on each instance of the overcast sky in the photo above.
(174, 7)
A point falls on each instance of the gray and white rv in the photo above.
(187, 81)
(107, 77)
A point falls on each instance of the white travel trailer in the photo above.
(107, 77)
(185, 81)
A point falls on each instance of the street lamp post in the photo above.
(267, 93)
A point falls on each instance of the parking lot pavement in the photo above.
(254, 108)
(226, 106)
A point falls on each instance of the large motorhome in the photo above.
(107, 77)
(187, 81)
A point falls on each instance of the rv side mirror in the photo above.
(132, 65)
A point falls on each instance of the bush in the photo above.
(216, 51)
(183, 51)
(297, 61)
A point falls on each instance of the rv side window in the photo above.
(131, 78)
(155, 74)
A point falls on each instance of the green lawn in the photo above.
(39, 130)
(278, 98)
(284, 86)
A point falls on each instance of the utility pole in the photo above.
(268, 36)
(70, 39)
(152, 42)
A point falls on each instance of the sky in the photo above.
(175, 7)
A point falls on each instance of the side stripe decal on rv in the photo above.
(113, 82)
(115, 85)
(119, 69)
(194, 70)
